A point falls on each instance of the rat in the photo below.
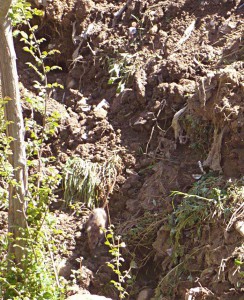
(94, 227)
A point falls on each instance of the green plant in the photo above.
(139, 234)
(201, 204)
(199, 132)
(40, 68)
(21, 12)
(139, 26)
(121, 69)
(211, 201)
(88, 182)
(115, 244)
(38, 279)
(239, 264)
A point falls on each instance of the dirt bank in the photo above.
(159, 84)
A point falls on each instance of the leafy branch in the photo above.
(115, 245)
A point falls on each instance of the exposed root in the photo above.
(214, 157)
(176, 126)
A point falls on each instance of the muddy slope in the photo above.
(160, 83)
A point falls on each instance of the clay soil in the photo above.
(125, 79)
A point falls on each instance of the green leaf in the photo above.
(121, 87)
(52, 52)
(117, 69)
(47, 69)
(239, 262)
(24, 35)
(56, 68)
(26, 49)
(16, 33)
(109, 236)
(34, 28)
(47, 295)
(38, 12)
(133, 265)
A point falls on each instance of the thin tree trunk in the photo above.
(15, 129)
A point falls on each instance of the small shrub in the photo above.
(115, 245)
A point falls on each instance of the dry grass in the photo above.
(140, 233)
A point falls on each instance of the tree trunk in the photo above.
(15, 129)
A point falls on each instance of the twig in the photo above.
(53, 263)
(11, 287)
(92, 51)
(185, 36)
(162, 106)
(187, 33)
(238, 212)
(185, 195)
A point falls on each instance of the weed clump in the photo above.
(212, 202)
(88, 182)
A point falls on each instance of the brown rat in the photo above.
(96, 222)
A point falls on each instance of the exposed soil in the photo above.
(174, 56)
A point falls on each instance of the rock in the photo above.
(82, 106)
(100, 113)
(140, 85)
(85, 277)
(154, 29)
(81, 296)
(132, 205)
(239, 226)
(162, 243)
(207, 273)
(145, 294)
(198, 293)
(40, 3)
(95, 227)
(55, 106)
(64, 269)
(73, 125)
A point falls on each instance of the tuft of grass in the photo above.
(209, 200)
(89, 182)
